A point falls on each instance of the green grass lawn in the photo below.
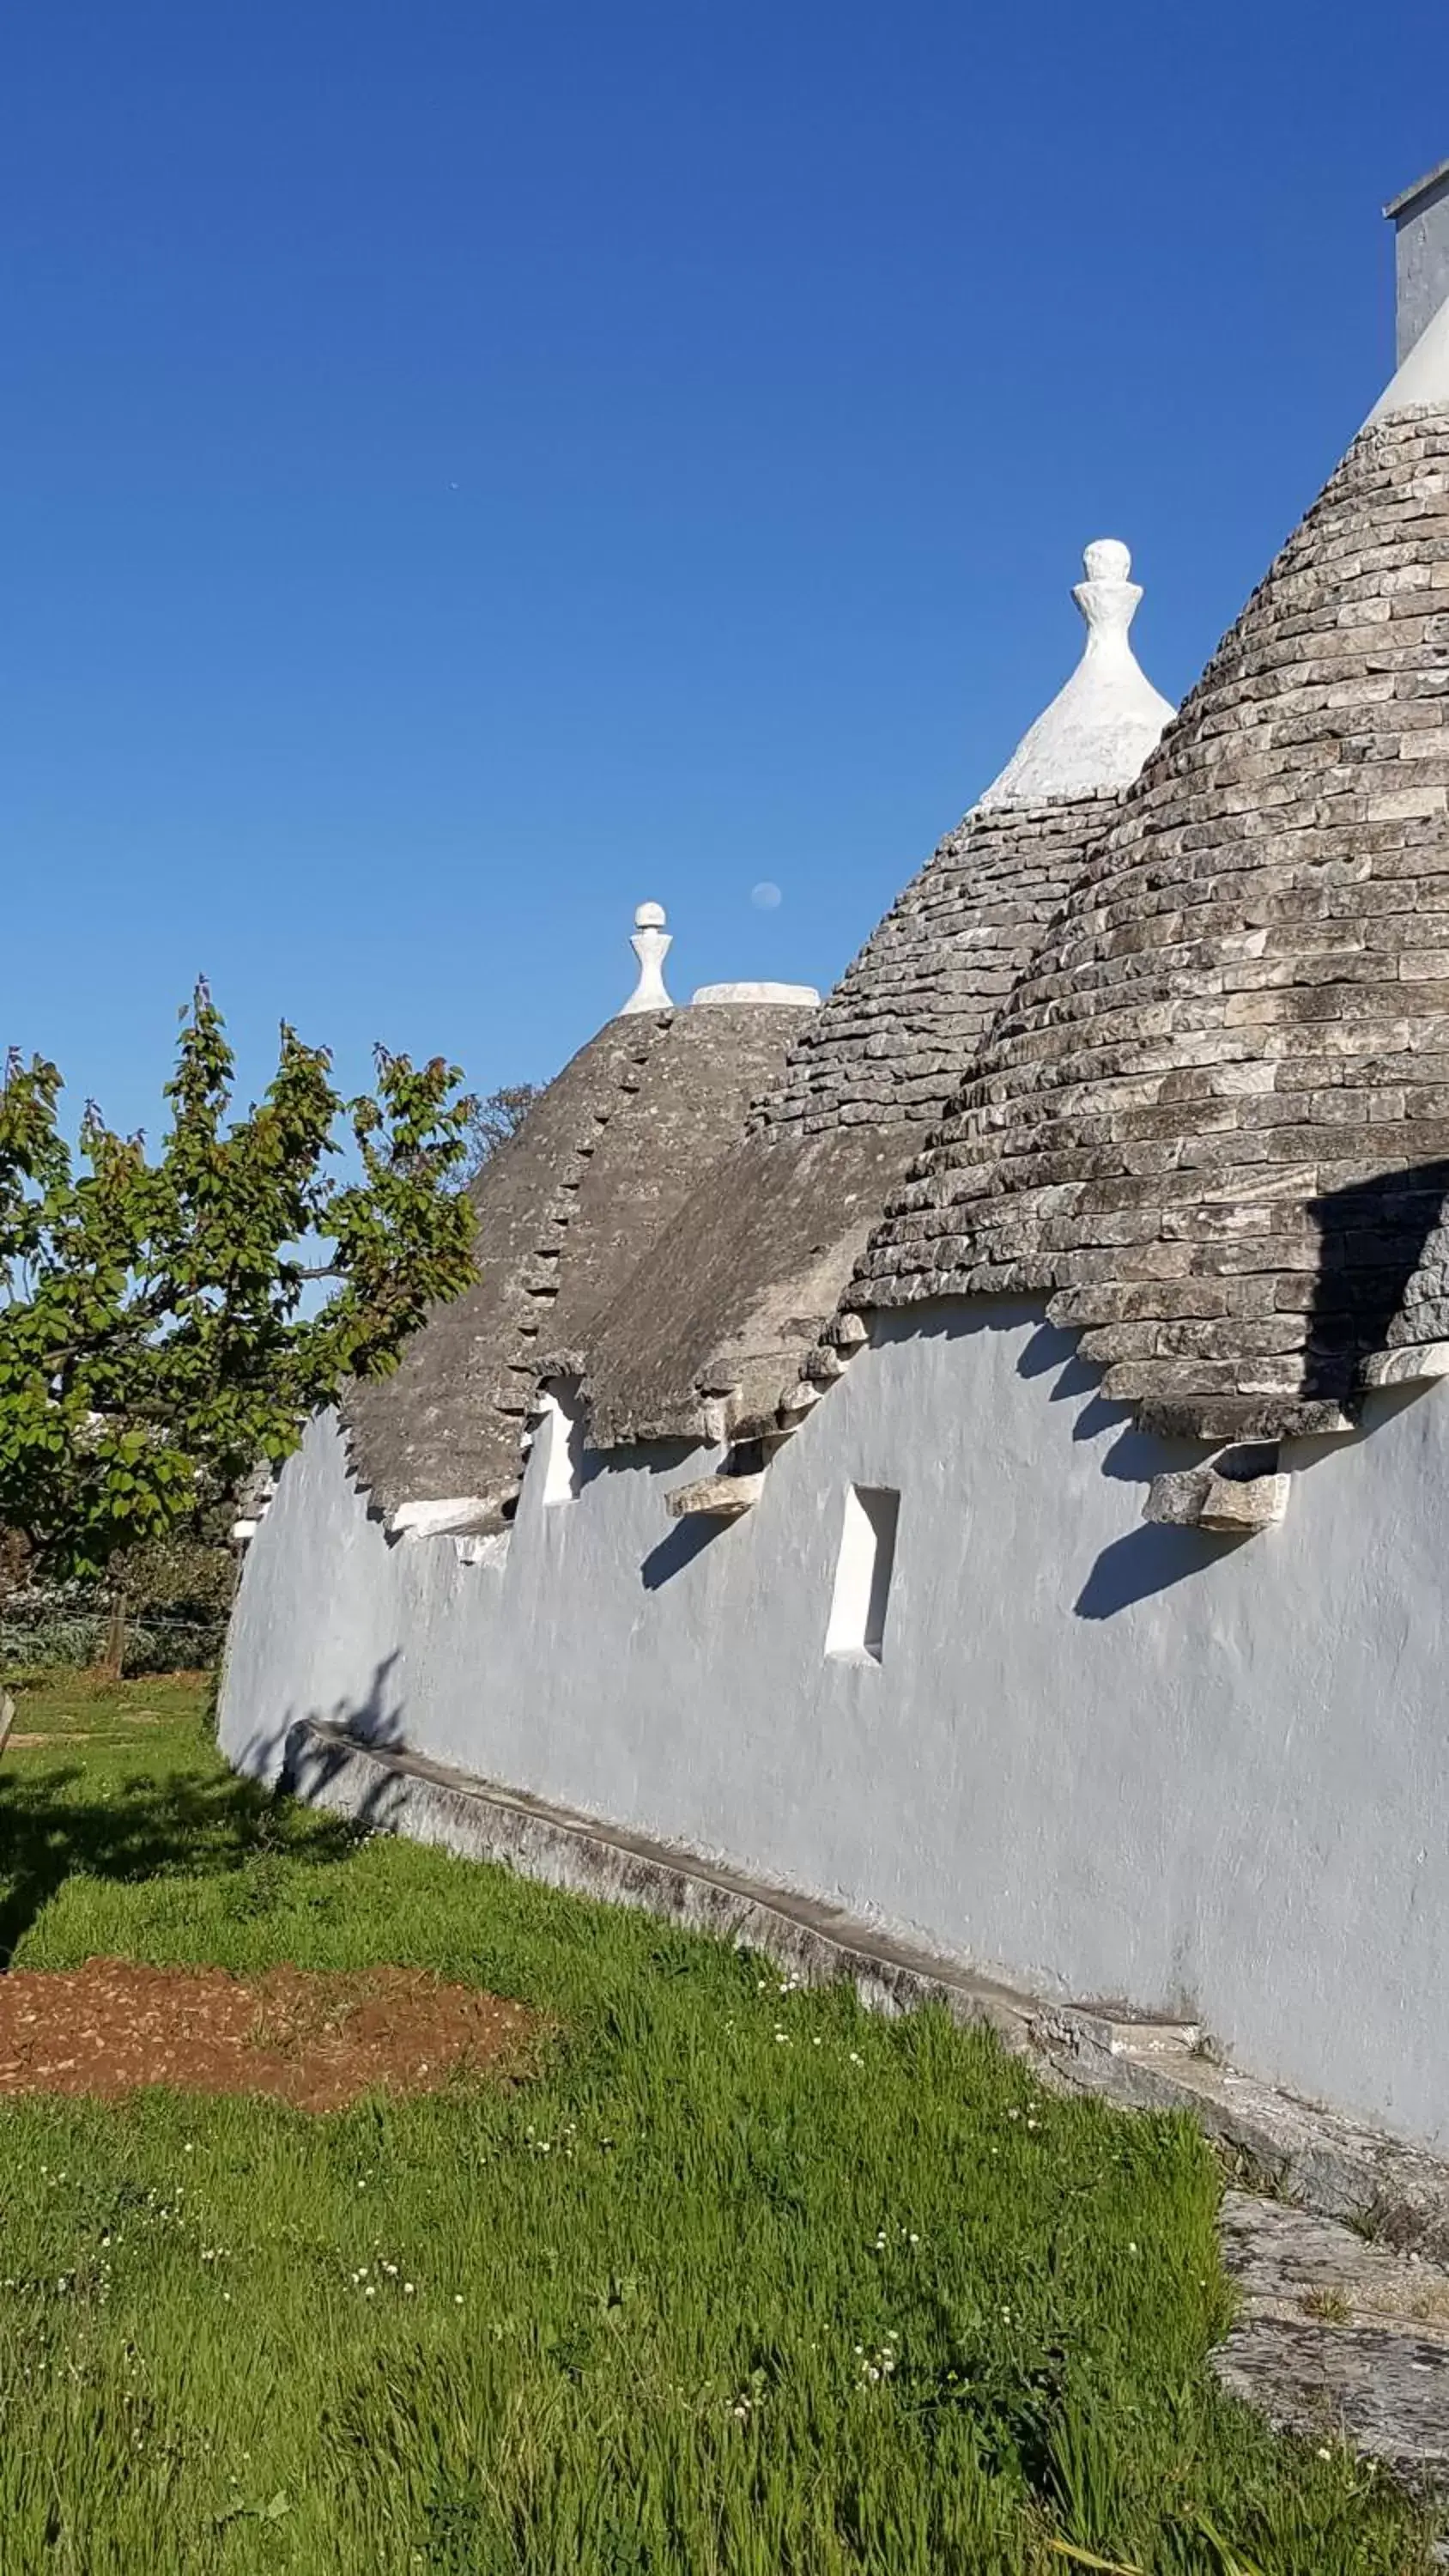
(742, 2281)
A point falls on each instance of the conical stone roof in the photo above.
(716, 1328)
(566, 1209)
(1208, 1122)
(891, 1041)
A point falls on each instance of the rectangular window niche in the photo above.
(563, 1466)
(863, 1574)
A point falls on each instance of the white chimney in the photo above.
(1420, 218)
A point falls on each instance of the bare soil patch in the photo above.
(314, 2041)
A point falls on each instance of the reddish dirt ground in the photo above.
(314, 2041)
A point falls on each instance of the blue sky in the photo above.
(466, 469)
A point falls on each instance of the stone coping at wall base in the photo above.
(1330, 2165)
(1338, 2339)
(719, 1498)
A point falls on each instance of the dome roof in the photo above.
(737, 1292)
(890, 1042)
(566, 1208)
(718, 1327)
(1207, 1119)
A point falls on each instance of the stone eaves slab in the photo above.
(1211, 1123)
(566, 1210)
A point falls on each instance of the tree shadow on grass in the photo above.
(58, 1824)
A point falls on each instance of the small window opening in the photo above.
(863, 1573)
(563, 1426)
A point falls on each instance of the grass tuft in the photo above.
(743, 2283)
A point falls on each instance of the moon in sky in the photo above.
(766, 897)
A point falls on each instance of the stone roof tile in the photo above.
(1225, 1063)
(566, 1210)
(714, 1331)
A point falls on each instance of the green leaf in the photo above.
(153, 1345)
(1086, 2558)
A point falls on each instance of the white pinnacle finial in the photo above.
(1099, 729)
(651, 944)
(1109, 598)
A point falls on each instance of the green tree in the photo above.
(156, 1334)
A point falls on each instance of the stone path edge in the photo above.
(1332, 2166)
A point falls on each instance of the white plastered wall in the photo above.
(1110, 1759)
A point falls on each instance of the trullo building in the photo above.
(966, 1452)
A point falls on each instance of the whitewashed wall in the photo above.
(1108, 1759)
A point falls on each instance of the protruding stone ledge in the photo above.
(1245, 1418)
(800, 1400)
(825, 1364)
(1124, 2033)
(1419, 1364)
(848, 1332)
(716, 1498)
(1199, 1498)
(456, 1516)
(1331, 2329)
